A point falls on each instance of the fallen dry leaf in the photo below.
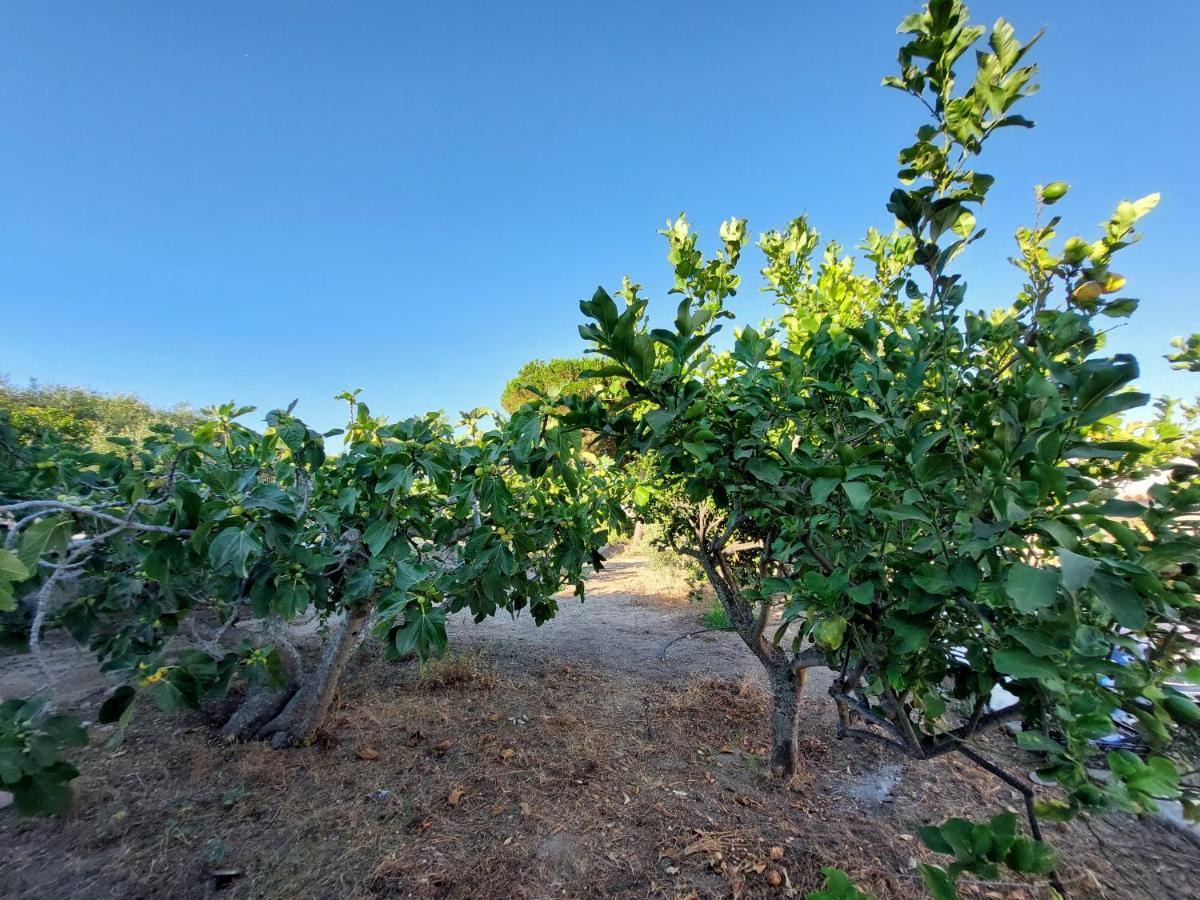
(455, 796)
(774, 879)
(368, 753)
(497, 808)
(443, 746)
(507, 753)
(526, 810)
(776, 854)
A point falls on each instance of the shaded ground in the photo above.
(568, 761)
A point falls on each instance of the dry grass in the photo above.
(665, 575)
(457, 669)
(523, 779)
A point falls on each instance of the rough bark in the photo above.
(787, 680)
(259, 708)
(308, 709)
(786, 689)
(264, 704)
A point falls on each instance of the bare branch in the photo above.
(92, 512)
(872, 735)
(1025, 791)
(731, 523)
(870, 715)
(809, 658)
(764, 613)
(743, 546)
(952, 740)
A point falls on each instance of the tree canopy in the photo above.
(538, 378)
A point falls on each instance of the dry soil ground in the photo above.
(569, 760)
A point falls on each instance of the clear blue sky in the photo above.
(265, 201)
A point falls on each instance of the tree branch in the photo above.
(810, 657)
(870, 715)
(125, 523)
(731, 523)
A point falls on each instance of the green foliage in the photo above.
(716, 617)
(1187, 353)
(413, 519)
(32, 744)
(981, 848)
(837, 887)
(925, 493)
(79, 415)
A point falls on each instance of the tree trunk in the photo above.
(308, 710)
(787, 683)
(786, 689)
(638, 529)
(264, 704)
(259, 708)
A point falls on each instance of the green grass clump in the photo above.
(716, 618)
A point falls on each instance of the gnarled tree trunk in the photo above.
(293, 714)
(308, 710)
(263, 705)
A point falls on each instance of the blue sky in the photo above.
(201, 202)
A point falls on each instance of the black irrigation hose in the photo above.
(662, 654)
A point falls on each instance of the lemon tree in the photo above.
(920, 495)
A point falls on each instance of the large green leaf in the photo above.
(940, 884)
(45, 792)
(114, 707)
(44, 537)
(232, 548)
(1077, 570)
(1122, 600)
(1023, 664)
(1036, 642)
(11, 567)
(423, 632)
(858, 493)
(765, 470)
(378, 533)
(822, 488)
(1031, 588)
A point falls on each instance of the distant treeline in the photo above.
(79, 415)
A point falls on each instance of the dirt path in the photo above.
(619, 628)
